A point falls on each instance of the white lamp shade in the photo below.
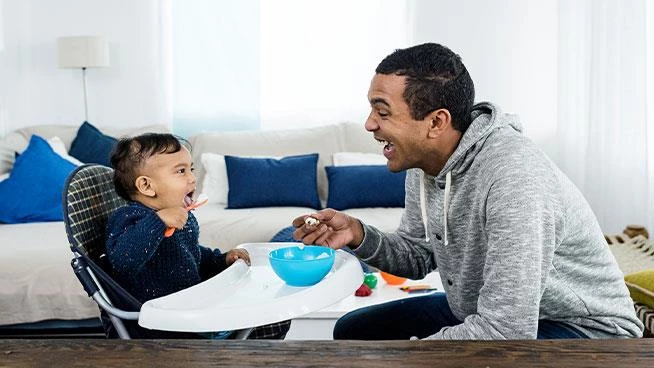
(82, 52)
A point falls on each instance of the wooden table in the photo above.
(205, 353)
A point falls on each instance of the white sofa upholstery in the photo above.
(226, 228)
(36, 280)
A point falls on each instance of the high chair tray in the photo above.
(245, 296)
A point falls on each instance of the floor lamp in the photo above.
(83, 52)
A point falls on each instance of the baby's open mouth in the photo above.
(188, 200)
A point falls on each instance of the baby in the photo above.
(154, 172)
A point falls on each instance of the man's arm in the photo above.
(404, 252)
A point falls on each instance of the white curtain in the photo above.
(602, 108)
(650, 114)
(279, 64)
(317, 58)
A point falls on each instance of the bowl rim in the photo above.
(331, 252)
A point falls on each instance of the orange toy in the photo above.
(392, 279)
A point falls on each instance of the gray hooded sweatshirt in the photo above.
(513, 239)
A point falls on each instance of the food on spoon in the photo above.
(312, 221)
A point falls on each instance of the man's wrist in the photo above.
(358, 234)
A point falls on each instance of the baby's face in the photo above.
(172, 178)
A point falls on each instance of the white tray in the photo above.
(242, 297)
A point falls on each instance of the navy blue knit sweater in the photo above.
(148, 265)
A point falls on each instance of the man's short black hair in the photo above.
(436, 79)
(129, 154)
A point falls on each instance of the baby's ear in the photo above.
(144, 186)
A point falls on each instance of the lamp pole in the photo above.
(86, 108)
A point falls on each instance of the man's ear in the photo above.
(439, 121)
(144, 186)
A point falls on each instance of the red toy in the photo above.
(363, 290)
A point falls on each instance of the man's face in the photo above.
(404, 139)
(172, 178)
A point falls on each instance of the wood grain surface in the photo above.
(252, 353)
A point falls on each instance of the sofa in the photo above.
(342, 144)
(36, 280)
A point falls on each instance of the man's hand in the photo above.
(173, 216)
(235, 254)
(334, 229)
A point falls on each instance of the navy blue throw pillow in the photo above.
(364, 186)
(269, 182)
(91, 146)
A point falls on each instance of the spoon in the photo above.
(202, 199)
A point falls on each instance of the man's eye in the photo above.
(383, 114)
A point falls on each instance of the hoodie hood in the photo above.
(486, 117)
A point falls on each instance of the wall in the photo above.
(510, 50)
(34, 91)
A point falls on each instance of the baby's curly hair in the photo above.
(130, 153)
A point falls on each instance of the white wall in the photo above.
(34, 91)
(317, 59)
(510, 50)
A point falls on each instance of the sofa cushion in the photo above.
(267, 182)
(361, 186)
(92, 146)
(358, 158)
(16, 141)
(215, 184)
(33, 190)
(641, 286)
(324, 140)
(60, 148)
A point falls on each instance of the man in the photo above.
(519, 251)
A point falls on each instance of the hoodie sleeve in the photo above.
(405, 251)
(520, 225)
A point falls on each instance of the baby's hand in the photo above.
(235, 254)
(173, 216)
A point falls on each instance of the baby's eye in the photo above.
(192, 169)
(181, 171)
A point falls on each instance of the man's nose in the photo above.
(371, 125)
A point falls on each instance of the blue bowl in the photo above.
(302, 267)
